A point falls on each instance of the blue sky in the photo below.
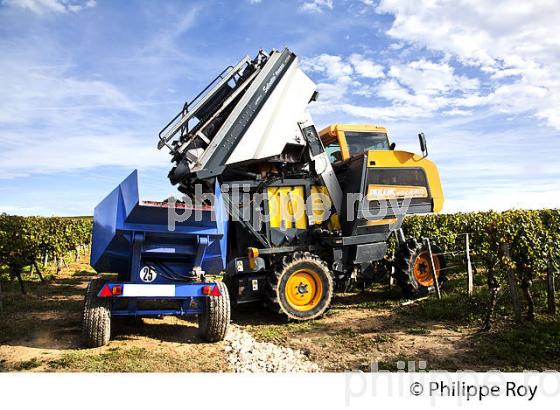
(85, 86)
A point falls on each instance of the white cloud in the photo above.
(62, 153)
(415, 89)
(164, 44)
(494, 198)
(366, 68)
(337, 74)
(23, 210)
(57, 117)
(378, 113)
(457, 112)
(332, 66)
(524, 78)
(316, 6)
(52, 122)
(48, 95)
(51, 6)
(513, 40)
(430, 78)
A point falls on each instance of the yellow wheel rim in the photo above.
(304, 289)
(423, 269)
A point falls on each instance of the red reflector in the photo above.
(105, 292)
(117, 290)
(206, 290)
(216, 292)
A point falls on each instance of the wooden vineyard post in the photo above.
(399, 239)
(469, 266)
(550, 288)
(432, 265)
(494, 288)
(392, 275)
(511, 286)
(1, 306)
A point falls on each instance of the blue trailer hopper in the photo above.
(129, 234)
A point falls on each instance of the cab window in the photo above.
(359, 142)
(334, 152)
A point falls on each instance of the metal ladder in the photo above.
(180, 123)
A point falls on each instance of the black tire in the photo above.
(277, 299)
(407, 255)
(214, 321)
(96, 317)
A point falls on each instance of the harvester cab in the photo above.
(306, 213)
(351, 142)
(342, 141)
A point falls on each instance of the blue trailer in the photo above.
(159, 272)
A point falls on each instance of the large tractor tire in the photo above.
(413, 270)
(302, 288)
(96, 317)
(214, 321)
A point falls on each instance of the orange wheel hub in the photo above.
(304, 289)
(423, 269)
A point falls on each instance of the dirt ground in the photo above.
(376, 329)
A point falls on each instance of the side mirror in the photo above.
(392, 146)
(423, 145)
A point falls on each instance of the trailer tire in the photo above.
(214, 321)
(96, 316)
(413, 270)
(312, 300)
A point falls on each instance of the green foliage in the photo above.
(20, 240)
(530, 235)
(453, 307)
(24, 240)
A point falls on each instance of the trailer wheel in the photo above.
(214, 321)
(413, 271)
(96, 317)
(302, 289)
